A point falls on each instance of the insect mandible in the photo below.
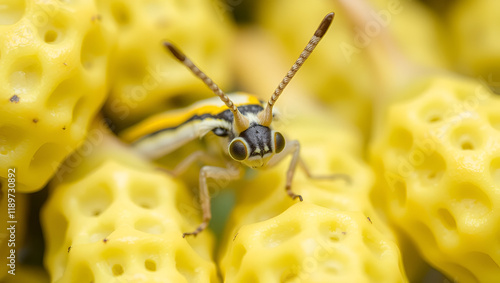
(240, 120)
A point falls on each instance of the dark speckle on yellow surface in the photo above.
(14, 99)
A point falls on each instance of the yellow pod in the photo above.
(115, 218)
(437, 159)
(52, 82)
(474, 27)
(264, 213)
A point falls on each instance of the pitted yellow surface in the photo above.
(437, 162)
(145, 78)
(52, 82)
(309, 243)
(265, 217)
(118, 222)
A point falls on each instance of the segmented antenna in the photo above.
(266, 115)
(241, 122)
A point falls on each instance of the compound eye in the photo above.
(279, 142)
(238, 150)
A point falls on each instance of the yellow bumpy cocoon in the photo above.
(28, 274)
(309, 243)
(114, 221)
(145, 78)
(299, 245)
(438, 163)
(475, 28)
(52, 82)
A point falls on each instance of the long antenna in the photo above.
(266, 115)
(241, 122)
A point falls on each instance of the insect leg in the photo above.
(304, 167)
(212, 172)
(293, 148)
(198, 155)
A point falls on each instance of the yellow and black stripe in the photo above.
(167, 131)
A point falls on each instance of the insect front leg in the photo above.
(211, 172)
(293, 148)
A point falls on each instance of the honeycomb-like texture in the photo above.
(438, 162)
(119, 222)
(337, 72)
(475, 27)
(145, 78)
(327, 146)
(309, 243)
(52, 81)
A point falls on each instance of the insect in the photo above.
(241, 121)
